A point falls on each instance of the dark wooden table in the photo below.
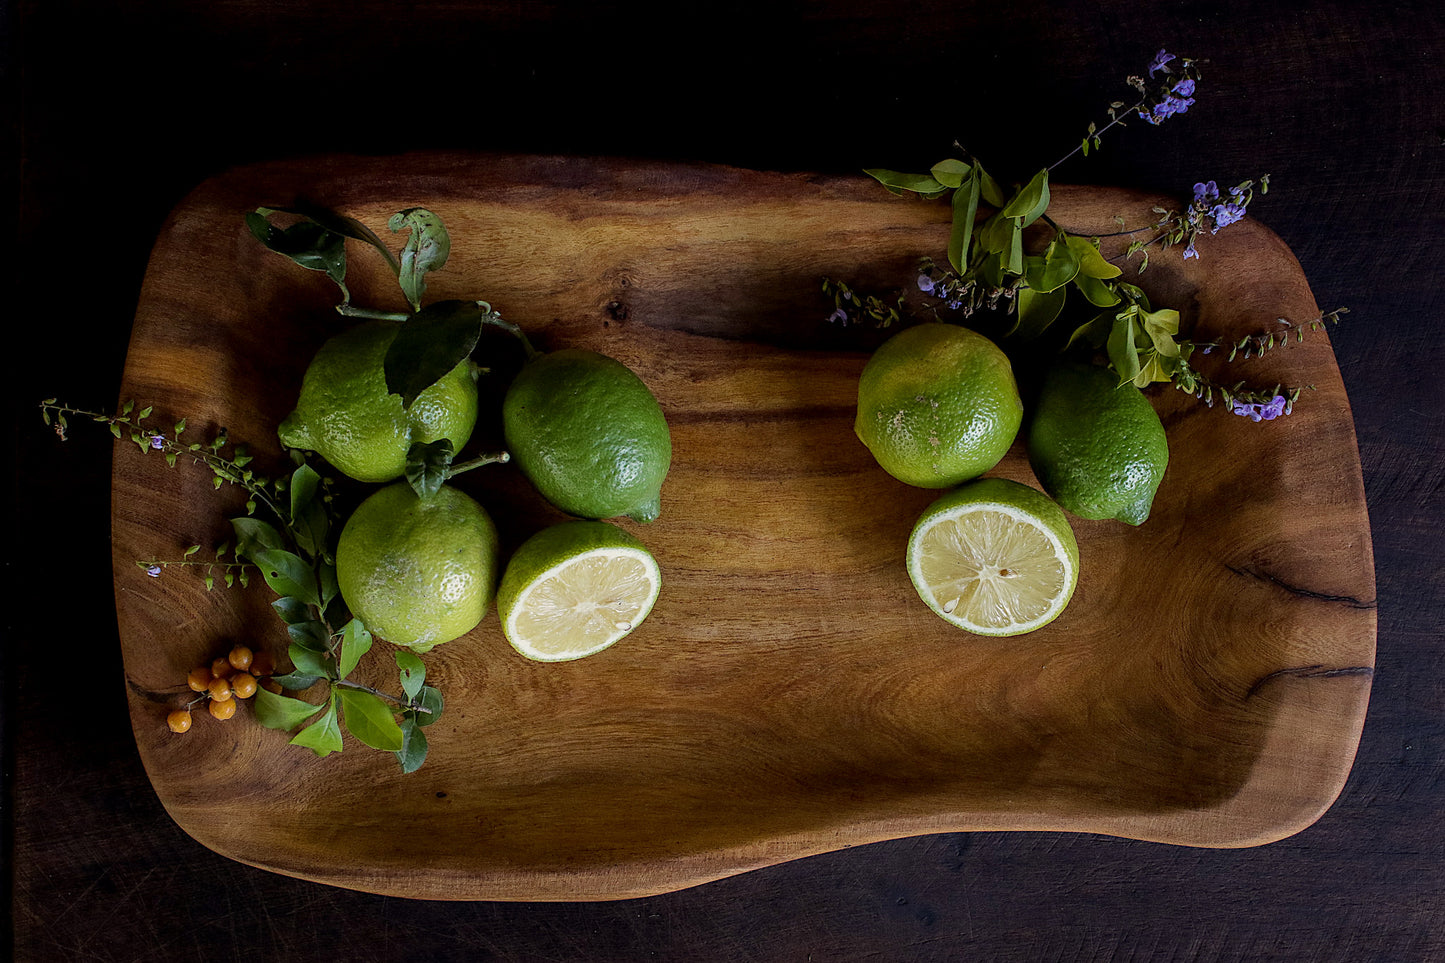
(117, 110)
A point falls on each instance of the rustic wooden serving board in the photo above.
(789, 695)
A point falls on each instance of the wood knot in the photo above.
(617, 311)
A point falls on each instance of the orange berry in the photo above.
(240, 658)
(243, 685)
(221, 668)
(220, 690)
(223, 710)
(262, 664)
(199, 679)
(180, 720)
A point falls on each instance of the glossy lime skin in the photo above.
(1096, 446)
(938, 405)
(589, 435)
(418, 571)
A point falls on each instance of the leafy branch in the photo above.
(1015, 259)
(433, 339)
(296, 560)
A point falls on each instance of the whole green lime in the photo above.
(938, 405)
(346, 415)
(418, 571)
(1098, 447)
(588, 434)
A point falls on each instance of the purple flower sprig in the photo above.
(1208, 211)
(1255, 404)
(1169, 88)
(1167, 91)
(225, 469)
(1255, 345)
(231, 573)
(850, 307)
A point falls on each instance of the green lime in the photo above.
(938, 405)
(346, 415)
(1095, 445)
(418, 571)
(994, 557)
(574, 589)
(589, 435)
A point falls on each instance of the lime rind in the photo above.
(993, 590)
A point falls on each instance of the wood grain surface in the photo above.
(789, 694)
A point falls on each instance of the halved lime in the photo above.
(574, 589)
(994, 557)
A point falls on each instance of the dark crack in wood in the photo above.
(1349, 600)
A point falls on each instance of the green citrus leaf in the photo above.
(254, 535)
(308, 515)
(355, 643)
(965, 212)
(282, 712)
(427, 465)
(413, 672)
(951, 172)
(309, 634)
(1037, 310)
(1123, 354)
(369, 719)
(429, 698)
(1091, 262)
(1056, 268)
(323, 736)
(1097, 292)
(296, 681)
(310, 662)
(426, 249)
(305, 242)
(287, 574)
(431, 343)
(993, 194)
(1029, 204)
(413, 745)
(896, 182)
(1162, 326)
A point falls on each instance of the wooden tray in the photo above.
(789, 694)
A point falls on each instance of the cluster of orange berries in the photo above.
(223, 683)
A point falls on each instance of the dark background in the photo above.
(117, 109)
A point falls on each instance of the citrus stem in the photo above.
(352, 311)
(344, 684)
(491, 458)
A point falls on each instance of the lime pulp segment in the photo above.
(990, 569)
(584, 604)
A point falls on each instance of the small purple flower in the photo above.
(1225, 214)
(955, 305)
(1206, 191)
(925, 283)
(1207, 349)
(838, 317)
(1166, 108)
(1160, 59)
(154, 571)
(1190, 252)
(1264, 410)
(158, 441)
(1185, 88)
